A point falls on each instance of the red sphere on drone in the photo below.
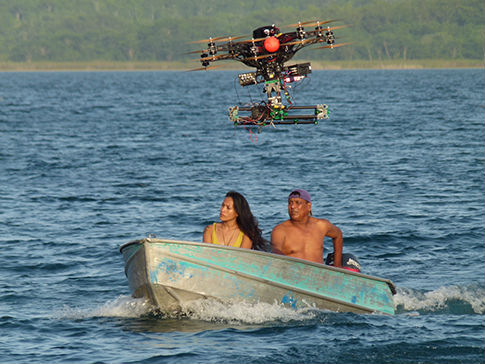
(271, 44)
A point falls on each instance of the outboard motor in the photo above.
(349, 262)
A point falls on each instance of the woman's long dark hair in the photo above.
(247, 223)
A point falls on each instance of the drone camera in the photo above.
(259, 112)
(246, 79)
(301, 69)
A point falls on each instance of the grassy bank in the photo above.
(169, 66)
(91, 66)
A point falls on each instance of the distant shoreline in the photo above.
(184, 66)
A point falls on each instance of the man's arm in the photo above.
(336, 234)
(277, 240)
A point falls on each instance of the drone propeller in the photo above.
(217, 58)
(298, 42)
(210, 40)
(320, 23)
(328, 29)
(299, 24)
(204, 68)
(218, 39)
(251, 40)
(202, 51)
(336, 27)
(310, 23)
(230, 39)
(331, 46)
(260, 57)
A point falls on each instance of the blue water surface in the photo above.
(92, 160)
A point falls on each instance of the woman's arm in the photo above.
(246, 242)
(207, 236)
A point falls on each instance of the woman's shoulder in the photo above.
(210, 226)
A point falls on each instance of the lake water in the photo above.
(92, 160)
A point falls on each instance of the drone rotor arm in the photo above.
(219, 57)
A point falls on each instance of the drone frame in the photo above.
(268, 51)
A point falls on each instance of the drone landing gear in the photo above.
(274, 111)
(263, 115)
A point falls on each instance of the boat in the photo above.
(171, 273)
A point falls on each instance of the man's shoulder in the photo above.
(321, 223)
(320, 220)
(282, 225)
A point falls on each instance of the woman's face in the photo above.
(228, 212)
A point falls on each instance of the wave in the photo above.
(444, 300)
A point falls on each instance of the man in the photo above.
(302, 235)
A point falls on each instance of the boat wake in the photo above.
(444, 300)
(241, 312)
(204, 310)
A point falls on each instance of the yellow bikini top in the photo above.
(236, 244)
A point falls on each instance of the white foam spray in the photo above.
(441, 299)
(244, 312)
(123, 306)
(211, 310)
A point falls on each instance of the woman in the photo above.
(238, 226)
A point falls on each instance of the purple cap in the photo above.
(300, 194)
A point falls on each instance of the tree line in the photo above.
(160, 30)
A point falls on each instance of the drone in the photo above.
(268, 50)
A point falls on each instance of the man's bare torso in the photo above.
(301, 240)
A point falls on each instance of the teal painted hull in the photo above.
(170, 273)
